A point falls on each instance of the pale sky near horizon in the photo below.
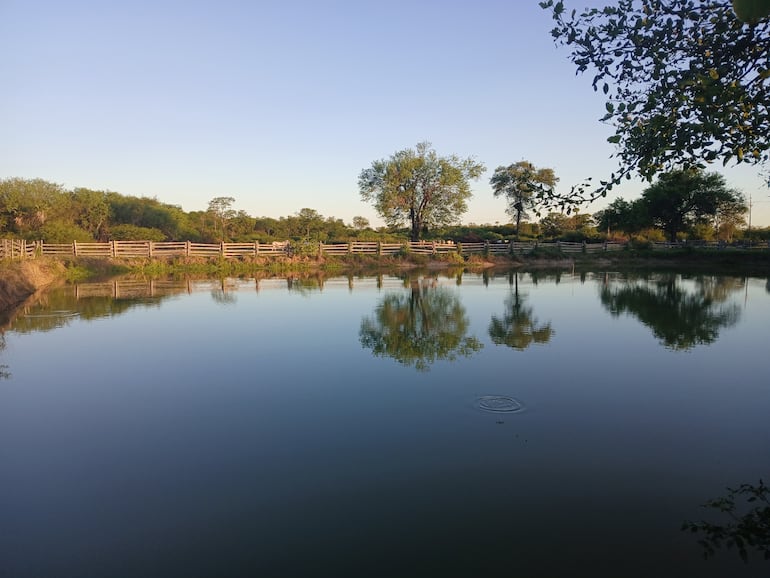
(281, 104)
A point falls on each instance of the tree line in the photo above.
(690, 203)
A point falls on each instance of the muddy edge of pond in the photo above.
(20, 279)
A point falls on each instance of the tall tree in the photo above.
(679, 199)
(221, 209)
(524, 186)
(687, 82)
(419, 187)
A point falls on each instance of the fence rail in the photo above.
(14, 248)
(19, 248)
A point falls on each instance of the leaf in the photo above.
(614, 139)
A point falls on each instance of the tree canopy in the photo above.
(687, 82)
(419, 187)
(678, 200)
(524, 186)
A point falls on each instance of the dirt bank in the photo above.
(19, 280)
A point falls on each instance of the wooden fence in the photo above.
(12, 248)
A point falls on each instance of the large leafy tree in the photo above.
(679, 199)
(687, 82)
(524, 186)
(419, 187)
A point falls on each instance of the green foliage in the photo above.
(681, 199)
(90, 211)
(27, 204)
(418, 187)
(751, 11)
(61, 232)
(744, 531)
(150, 214)
(687, 83)
(134, 233)
(305, 247)
(524, 186)
(622, 215)
(554, 224)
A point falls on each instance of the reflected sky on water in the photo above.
(533, 424)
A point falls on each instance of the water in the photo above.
(445, 425)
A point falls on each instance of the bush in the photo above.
(58, 232)
(134, 233)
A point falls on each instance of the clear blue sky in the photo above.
(281, 104)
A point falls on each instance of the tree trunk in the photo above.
(416, 226)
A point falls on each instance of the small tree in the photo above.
(523, 186)
(419, 187)
(360, 223)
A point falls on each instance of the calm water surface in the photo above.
(440, 425)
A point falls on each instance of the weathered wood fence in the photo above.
(13, 248)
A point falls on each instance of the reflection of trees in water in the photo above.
(419, 327)
(680, 319)
(58, 308)
(745, 526)
(518, 327)
(4, 374)
(224, 292)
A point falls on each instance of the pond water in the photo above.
(511, 424)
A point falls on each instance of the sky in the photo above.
(281, 104)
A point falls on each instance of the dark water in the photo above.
(464, 425)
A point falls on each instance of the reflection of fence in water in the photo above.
(132, 288)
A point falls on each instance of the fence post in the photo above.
(150, 248)
(222, 249)
(187, 248)
(379, 248)
(75, 248)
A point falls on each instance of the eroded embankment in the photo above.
(19, 280)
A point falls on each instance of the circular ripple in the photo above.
(499, 404)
